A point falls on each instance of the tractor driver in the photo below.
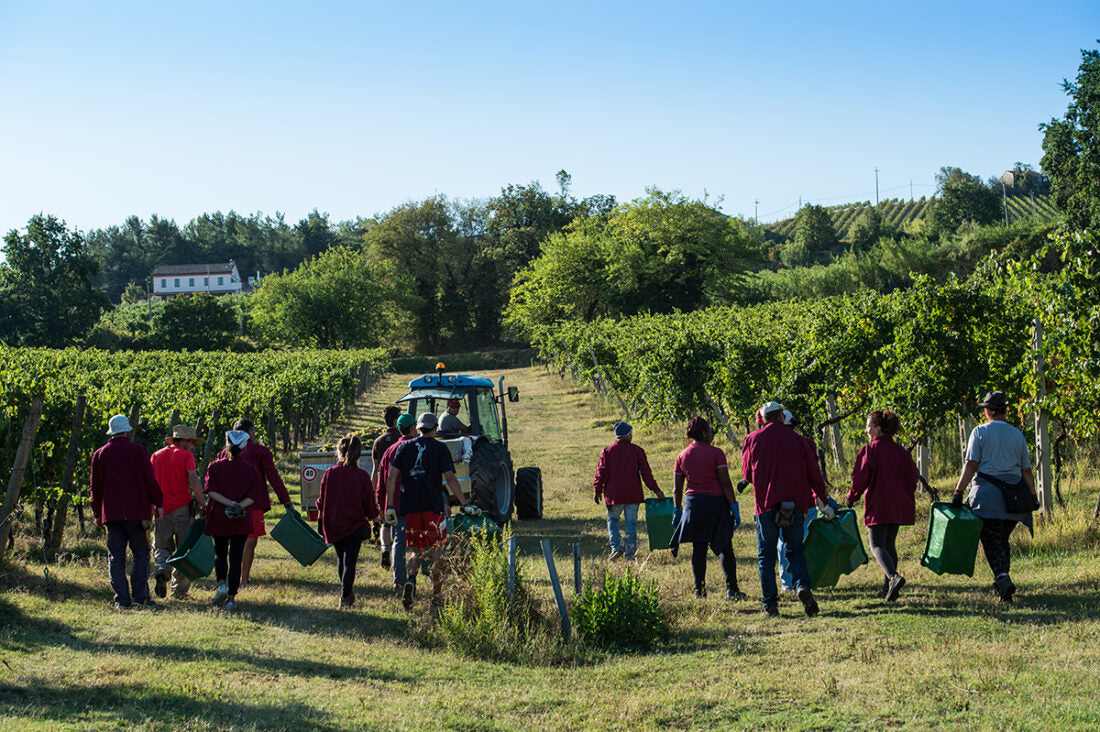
(450, 424)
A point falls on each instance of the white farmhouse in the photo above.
(172, 280)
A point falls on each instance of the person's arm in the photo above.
(970, 469)
(678, 481)
(456, 490)
(370, 505)
(599, 483)
(267, 465)
(862, 471)
(196, 487)
(727, 485)
(152, 488)
(647, 474)
(322, 494)
(746, 460)
(95, 489)
(1029, 478)
(813, 473)
(214, 495)
(391, 485)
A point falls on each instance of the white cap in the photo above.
(237, 438)
(770, 407)
(119, 423)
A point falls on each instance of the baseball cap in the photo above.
(770, 407)
(427, 421)
(405, 421)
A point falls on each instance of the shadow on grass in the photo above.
(134, 705)
(326, 622)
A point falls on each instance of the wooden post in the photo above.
(577, 568)
(511, 568)
(173, 420)
(721, 418)
(599, 371)
(566, 630)
(71, 457)
(22, 456)
(922, 456)
(271, 424)
(834, 433)
(209, 447)
(964, 432)
(1044, 484)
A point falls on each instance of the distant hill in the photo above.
(897, 212)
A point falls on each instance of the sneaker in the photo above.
(346, 602)
(701, 592)
(896, 583)
(385, 562)
(221, 595)
(615, 554)
(123, 605)
(407, 595)
(1005, 588)
(885, 587)
(230, 605)
(161, 588)
(735, 595)
(146, 603)
(809, 604)
(629, 557)
(770, 611)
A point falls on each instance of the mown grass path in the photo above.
(945, 655)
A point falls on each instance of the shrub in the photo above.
(623, 614)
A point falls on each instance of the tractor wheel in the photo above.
(529, 493)
(491, 482)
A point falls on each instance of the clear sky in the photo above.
(109, 109)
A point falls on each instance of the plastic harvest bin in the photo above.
(299, 538)
(460, 523)
(658, 522)
(194, 558)
(849, 523)
(828, 548)
(952, 540)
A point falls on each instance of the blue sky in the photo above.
(117, 108)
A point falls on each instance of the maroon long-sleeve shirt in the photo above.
(346, 501)
(260, 458)
(122, 483)
(886, 473)
(236, 480)
(781, 466)
(619, 474)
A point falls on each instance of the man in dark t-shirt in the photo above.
(378, 449)
(423, 464)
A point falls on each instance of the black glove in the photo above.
(957, 501)
(742, 485)
(596, 499)
(1035, 503)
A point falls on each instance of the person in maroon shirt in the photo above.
(124, 493)
(785, 475)
(260, 458)
(406, 425)
(617, 482)
(885, 472)
(378, 449)
(233, 487)
(345, 507)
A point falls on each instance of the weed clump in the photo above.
(623, 614)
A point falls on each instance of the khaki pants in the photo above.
(171, 530)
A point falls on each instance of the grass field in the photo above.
(945, 655)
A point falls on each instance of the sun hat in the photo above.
(183, 432)
(237, 438)
(427, 421)
(118, 424)
(994, 400)
(405, 421)
(622, 429)
(770, 407)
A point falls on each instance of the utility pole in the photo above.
(756, 210)
(910, 190)
(876, 185)
(1004, 199)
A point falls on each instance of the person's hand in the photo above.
(471, 511)
(849, 503)
(660, 495)
(677, 515)
(391, 516)
(289, 506)
(742, 485)
(957, 500)
(825, 510)
(596, 498)
(1034, 502)
(735, 512)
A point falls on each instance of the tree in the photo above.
(198, 322)
(960, 198)
(814, 229)
(338, 299)
(869, 228)
(46, 294)
(1071, 147)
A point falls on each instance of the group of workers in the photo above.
(788, 486)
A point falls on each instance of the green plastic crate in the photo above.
(460, 523)
(658, 522)
(952, 542)
(828, 548)
(299, 538)
(194, 558)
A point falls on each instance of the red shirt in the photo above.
(346, 501)
(699, 463)
(885, 471)
(170, 467)
(236, 480)
(383, 471)
(617, 474)
(122, 484)
(260, 458)
(782, 466)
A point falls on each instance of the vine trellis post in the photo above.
(834, 433)
(15, 483)
(1044, 484)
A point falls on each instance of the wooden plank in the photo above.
(1044, 482)
(834, 433)
(577, 568)
(563, 611)
(58, 533)
(15, 483)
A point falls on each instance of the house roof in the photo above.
(202, 269)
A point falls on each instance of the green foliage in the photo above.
(868, 228)
(1071, 147)
(198, 322)
(814, 229)
(339, 299)
(962, 198)
(624, 613)
(46, 296)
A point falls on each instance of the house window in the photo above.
(206, 282)
(190, 281)
(163, 284)
(221, 280)
(176, 282)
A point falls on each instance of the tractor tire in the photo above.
(491, 481)
(529, 493)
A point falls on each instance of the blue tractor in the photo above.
(476, 432)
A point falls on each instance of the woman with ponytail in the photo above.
(345, 507)
(233, 489)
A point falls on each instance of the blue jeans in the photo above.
(119, 535)
(630, 512)
(784, 570)
(767, 539)
(397, 555)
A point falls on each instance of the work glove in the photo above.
(957, 501)
(596, 498)
(289, 506)
(1034, 503)
(391, 516)
(234, 512)
(825, 510)
(735, 513)
(742, 485)
(471, 511)
(677, 515)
